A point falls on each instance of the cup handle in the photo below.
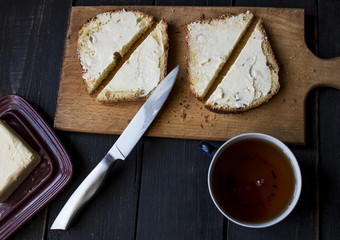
(207, 148)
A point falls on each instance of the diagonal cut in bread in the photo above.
(142, 72)
(252, 80)
(210, 43)
(106, 38)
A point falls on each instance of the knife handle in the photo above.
(83, 194)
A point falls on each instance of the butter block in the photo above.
(17, 160)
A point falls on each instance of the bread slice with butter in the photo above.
(17, 160)
(142, 72)
(210, 43)
(106, 38)
(252, 80)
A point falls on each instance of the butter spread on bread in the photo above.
(142, 72)
(106, 38)
(210, 43)
(251, 80)
(17, 160)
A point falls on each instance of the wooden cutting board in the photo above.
(183, 116)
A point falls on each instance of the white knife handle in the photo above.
(86, 190)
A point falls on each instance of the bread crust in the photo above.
(166, 50)
(209, 20)
(86, 26)
(275, 84)
(93, 19)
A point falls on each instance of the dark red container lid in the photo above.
(47, 179)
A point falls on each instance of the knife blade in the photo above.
(119, 151)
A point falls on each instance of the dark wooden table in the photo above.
(160, 191)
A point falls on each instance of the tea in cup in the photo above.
(254, 180)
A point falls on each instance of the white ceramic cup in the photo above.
(293, 162)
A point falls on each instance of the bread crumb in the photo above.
(206, 118)
(202, 126)
(183, 115)
(174, 113)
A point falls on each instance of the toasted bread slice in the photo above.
(106, 38)
(210, 43)
(252, 80)
(142, 72)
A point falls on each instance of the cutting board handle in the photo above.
(323, 72)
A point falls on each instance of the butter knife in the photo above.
(119, 151)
